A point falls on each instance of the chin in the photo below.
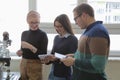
(81, 27)
(34, 29)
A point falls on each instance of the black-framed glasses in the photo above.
(77, 17)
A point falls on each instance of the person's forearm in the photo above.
(29, 46)
(95, 64)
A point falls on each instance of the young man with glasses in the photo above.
(33, 43)
(92, 54)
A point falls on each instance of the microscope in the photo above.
(4, 55)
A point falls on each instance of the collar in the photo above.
(65, 36)
(92, 25)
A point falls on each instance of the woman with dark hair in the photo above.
(65, 42)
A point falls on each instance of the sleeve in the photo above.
(44, 44)
(22, 38)
(99, 55)
(52, 52)
(74, 45)
(53, 48)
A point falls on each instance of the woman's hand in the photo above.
(19, 53)
(28, 46)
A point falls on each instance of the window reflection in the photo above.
(106, 10)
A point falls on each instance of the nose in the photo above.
(57, 27)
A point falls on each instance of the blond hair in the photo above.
(33, 13)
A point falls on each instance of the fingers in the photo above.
(70, 55)
(51, 57)
(19, 53)
(44, 61)
(44, 58)
(69, 61)
(47, 58)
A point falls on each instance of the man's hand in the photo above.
(69, 61)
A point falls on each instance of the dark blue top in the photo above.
(64, 45)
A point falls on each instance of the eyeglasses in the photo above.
(34, 23)
(77, 17)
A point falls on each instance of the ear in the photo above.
(85, 16)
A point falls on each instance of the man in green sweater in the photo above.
(93, 47)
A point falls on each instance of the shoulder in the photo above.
(73, 37)
(42, 33)
(98, 30)
(25, 32)
(56, 37)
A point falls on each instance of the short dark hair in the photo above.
(84, 7)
